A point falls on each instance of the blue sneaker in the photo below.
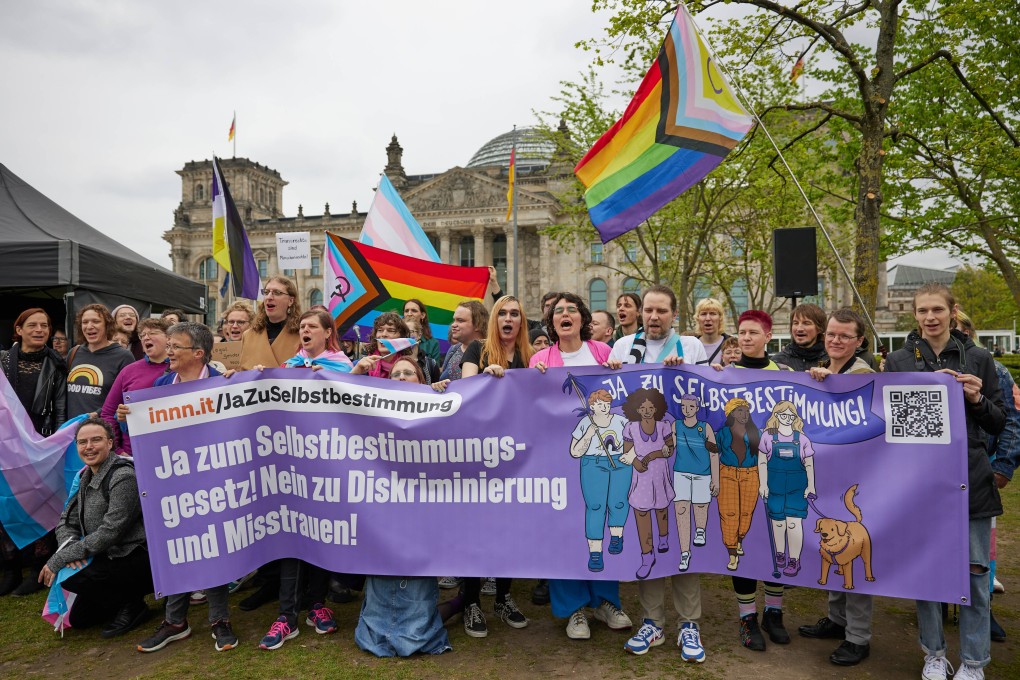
(615, 545)
(321, 618)
(595, 562)
(279, 633)
(689, 643)
(649, 635)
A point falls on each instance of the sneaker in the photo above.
(780, 560)
(279, 633)
(734, 561)
(164, 635)
(321, 618)
(474, 621)
(740, 548)
(664, 543)
(936, 668)
(689, 643)
(792, 567)
(235, 586)
(997, 586)
(198, 597)
(699, 537)
(772, 623)
(577, 626)
(224, 635)
(614, 617)
(595, 562)
(509, 614)
(489, 586)
(448, 582)
(615, 545)
(649, 635)
(970, 673)
(685, 561)
(750, 633)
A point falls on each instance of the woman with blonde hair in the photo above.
(506, 345)
(273, 336)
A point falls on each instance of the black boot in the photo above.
(750, 633)
(540, 593)
(28, 586)
(130, 616)
(9, 580)
(772, 623)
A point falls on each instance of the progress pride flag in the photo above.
(510, 477)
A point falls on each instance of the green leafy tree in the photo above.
(985, 297)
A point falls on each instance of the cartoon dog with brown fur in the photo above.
(843, 542)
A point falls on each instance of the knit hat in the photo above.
(537, 333)
(120, 307)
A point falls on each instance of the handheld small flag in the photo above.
(681, 123)
(388, 347)
(390, 225)
(230, 241)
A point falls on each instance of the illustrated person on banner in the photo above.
(786, 476)
(695, 476)
(648, 443)
(738, 442)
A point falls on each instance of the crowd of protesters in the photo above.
(56, 380)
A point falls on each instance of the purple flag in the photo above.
(566, 474)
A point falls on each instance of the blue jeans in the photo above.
(605, 490)
(399, 617)
(568, 595)
(975, 641)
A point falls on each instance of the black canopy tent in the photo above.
(49, 258)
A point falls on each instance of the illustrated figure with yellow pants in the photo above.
(738, 442)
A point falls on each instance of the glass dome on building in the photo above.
(534, 150)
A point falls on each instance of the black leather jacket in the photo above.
(50, 401)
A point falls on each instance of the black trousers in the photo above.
(106, 585)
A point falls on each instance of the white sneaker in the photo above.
(685, 561)
(613, 617)
(997, 586)
(699, 537)
(689, 643)
(577, 627)
(198, 597)
(970, 673)
(448, 582)
(489, 586)
(649, 635)
(936, 668)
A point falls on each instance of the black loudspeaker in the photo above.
(796, 262)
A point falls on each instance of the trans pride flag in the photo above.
(363, 282)
(35, 472)
(679, 126)
(390, 225)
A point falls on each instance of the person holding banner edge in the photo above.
(937, 346)
(568, 323)
(655, 341)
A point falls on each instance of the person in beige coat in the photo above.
(273, 336)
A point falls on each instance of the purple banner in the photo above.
(857, 482)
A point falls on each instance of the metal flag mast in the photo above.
(513, 201)
(825, 232)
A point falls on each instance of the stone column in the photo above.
(444, 247)
(479, 235)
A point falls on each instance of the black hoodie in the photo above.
(801, 358)
(989, 414)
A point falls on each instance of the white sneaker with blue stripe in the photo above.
(689, 643)
(649, 635)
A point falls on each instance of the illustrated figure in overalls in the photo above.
(786, 475)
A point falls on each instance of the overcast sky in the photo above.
(105, 99)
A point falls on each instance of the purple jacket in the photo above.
(134, 376)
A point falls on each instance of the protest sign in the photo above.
(228, 354)
(293, 250)
(509, 477)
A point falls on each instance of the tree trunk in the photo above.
(867, 212)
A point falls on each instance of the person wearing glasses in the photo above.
(102, 538)
(237, 318)
(189, 348)
(60, 342)
(273, 336)
(138, 375)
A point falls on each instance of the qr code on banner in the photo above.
(916, 414)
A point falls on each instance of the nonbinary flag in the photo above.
(390, 225)
(33, 481)
(230, 241)
(681, 123)
(362, 282)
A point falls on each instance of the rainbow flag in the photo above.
(679, 126)
(391, 225)
(364, 282)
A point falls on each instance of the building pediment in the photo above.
(461, 189)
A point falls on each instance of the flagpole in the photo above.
(235, 133)
(513, 204)
(818, 220)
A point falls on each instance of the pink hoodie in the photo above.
(551, 355)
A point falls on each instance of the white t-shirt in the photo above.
(694, 351)
(612, 435)
(582, 357)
